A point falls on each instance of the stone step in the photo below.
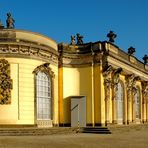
(34, 131)
(96, 130)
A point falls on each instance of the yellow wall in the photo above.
(22, 107)
(76, 82)
(99, 96)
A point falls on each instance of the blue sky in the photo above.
(59, 19)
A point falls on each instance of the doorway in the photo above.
(78, 111)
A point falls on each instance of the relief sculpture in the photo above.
(5, 82)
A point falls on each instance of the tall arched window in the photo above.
(137, 103)
(120, 98)
(44, 100)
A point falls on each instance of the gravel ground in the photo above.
(126, 139)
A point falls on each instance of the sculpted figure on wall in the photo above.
(131, 85)
(145, 91)
(107, 81)
(115, 81)
(5, 82)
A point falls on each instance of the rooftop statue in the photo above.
(73, 40)
(10, 21)
(111, 35)
(79, 39)
(131, 50)
(145, 58)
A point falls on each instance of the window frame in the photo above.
(43, 94)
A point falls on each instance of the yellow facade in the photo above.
(113, 83)
(22, 107)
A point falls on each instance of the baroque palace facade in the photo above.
(46, 84)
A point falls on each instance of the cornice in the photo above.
(134, 64)
(24, 50)
(80, 55)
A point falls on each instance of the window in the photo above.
(137, 101)
(120, 96)
(43, 87)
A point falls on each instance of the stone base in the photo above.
(114, 121)
(44, 123)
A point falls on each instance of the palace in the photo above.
(46, 84)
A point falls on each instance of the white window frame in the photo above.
(44, 96)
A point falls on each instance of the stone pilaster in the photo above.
(145, 101)
(131, 92)
(107, 87)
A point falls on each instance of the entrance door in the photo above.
(78, 111)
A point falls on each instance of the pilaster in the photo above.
(145, 101)
(107, 87)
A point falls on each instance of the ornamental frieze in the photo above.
(115, 81)
(29, 51)
(5, 82)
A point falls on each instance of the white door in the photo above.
(78, 111)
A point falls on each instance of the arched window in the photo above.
(44, 99)
(137, 102)
(120, 98)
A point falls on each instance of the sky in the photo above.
(59, 19)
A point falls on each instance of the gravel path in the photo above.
(127, 139)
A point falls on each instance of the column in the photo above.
(129, 92)
(129, 85)
(145, 101)
(114, 103)
(60, 86)
(134, 92)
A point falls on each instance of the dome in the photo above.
(26, 44)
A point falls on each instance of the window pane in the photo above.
(120, 102)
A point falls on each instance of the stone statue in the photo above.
(10, 21)
(145, 58)
(73, 40)
(79, 39)
(131, 50)
(111, 36)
